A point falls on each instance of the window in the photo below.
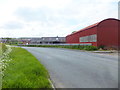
(90, 38)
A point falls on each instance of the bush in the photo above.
(90, 48)
(79, 47)
(101, 47)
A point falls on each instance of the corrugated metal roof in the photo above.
(93, 25)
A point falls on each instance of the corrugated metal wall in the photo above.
(74, 38)
(106, 31)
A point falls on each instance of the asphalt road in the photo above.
(78, 69)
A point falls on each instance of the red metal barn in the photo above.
(104, 33)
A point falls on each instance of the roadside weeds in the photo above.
(25, 71)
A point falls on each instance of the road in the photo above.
(78, 69)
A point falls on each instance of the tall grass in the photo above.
(2, 48)
(25, 71)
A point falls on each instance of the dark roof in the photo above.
(48, 39)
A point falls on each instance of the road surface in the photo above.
(78, 69)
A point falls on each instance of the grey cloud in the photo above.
(29, 14)
(44, 15)
(52, 17)
(13, 25)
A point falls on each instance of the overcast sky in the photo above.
(40, 18)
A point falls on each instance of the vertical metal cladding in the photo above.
(75, 37)
(106, 32)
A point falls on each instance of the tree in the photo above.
(73, 31)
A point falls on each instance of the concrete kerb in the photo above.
(51, 84)
(111, 51)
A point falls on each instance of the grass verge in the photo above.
(24, 71)
(79, 47)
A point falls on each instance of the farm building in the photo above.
(48, 40)
(43, 40)
(104, 33)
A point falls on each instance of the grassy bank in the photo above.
(79, 47)
(3, 48)
(24, 71)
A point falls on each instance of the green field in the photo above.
(25, 71)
